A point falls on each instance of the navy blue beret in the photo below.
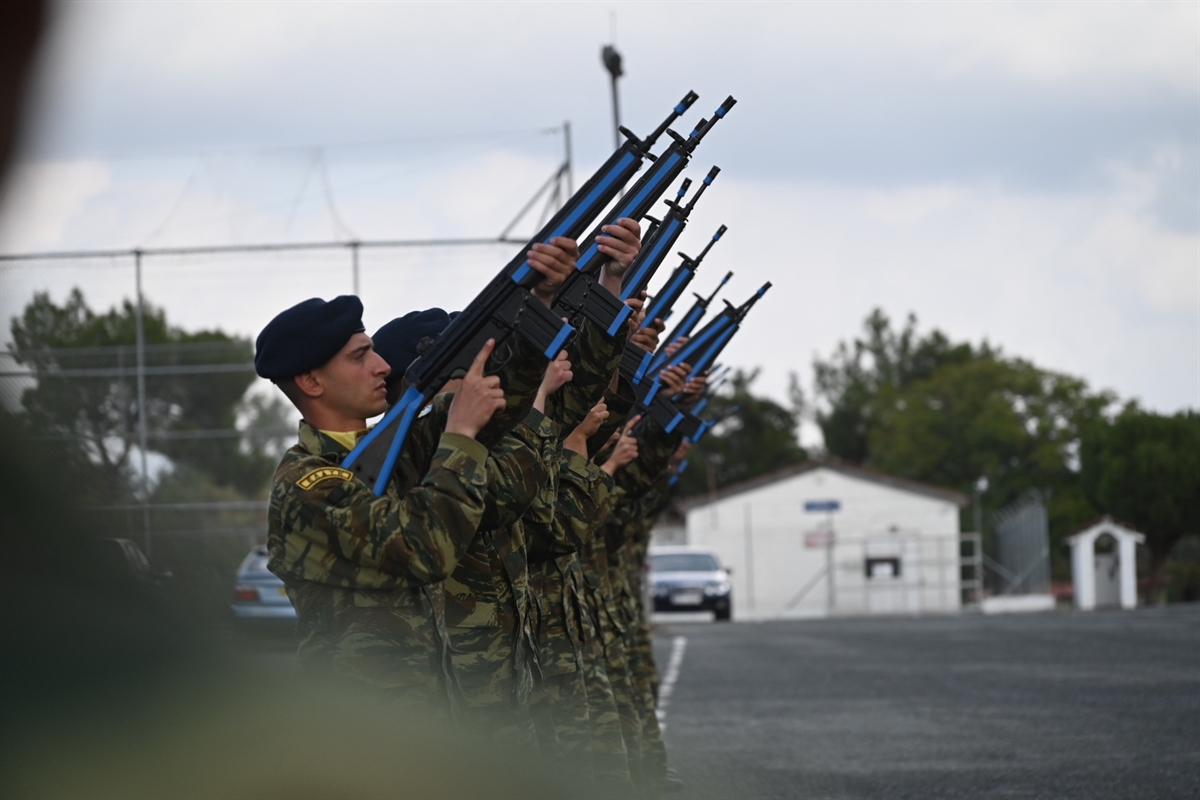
(306, 336)
(397, 341)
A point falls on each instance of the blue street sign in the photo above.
(822, 505)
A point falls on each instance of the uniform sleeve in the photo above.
(522, 468)
(594, 359)
(655, 448)
(330, 529)
(620, 403)
(521, 368)
(585, 497)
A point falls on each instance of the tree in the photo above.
(1144, 469)
(86, 392)
(852, 377)
(759, 438)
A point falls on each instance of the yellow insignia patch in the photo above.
(323, 474)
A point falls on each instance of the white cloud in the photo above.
(1087, 282)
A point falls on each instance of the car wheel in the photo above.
(723, 614)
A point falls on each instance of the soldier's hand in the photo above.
(694, 387)
(577, 441)
(477, 399)
(647, 337)
(674, 378)
(621, 244)
(555, 260)
(558, 374)
(625, 451)
(673, 347)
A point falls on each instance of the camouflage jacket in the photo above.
(363, 571)
(568, 617)
(594, 358)
(634, 516)
(490, 586)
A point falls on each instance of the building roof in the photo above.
(836, 465)
(1105, 524)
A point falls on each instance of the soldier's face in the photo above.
(353, 380)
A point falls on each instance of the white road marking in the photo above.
(678, 646)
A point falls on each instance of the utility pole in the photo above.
(141, 395)
(612, 62)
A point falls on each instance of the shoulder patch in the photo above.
(323, 474)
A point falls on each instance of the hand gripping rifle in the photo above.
(715, 382)
(506, 306)
(635, 361)
(700, 353)
(580, 293)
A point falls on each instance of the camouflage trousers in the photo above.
(644, 678)
(486, 672)
(615, 659)
(574, 708)
(559, 701)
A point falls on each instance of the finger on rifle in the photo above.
(629, 425)
(481, 358)
(567, 247)
(627, 229)
(658, 324)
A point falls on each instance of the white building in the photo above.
(891, 545)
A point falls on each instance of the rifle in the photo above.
(709, 424)
(635, 361)
(581, 293)
(506, 306)
(705, 427)
(690, 320)
(700, 352)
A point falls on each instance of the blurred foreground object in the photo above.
(110, 692)
(21, 26)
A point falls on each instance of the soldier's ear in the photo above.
(309, 384)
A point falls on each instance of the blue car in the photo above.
(258, 596)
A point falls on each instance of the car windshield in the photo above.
(683, 562)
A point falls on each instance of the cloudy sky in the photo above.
(1028, 173)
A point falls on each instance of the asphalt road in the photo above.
(1055, 706)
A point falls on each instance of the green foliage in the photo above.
(86, 391)
(1144, 468)
(850, 380)
(759, 438)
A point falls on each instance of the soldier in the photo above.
(358, 568)
(364, 572)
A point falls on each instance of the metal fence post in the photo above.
(141, 393)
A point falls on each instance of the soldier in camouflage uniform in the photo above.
(492, 616)
(362, 571)
(489, 607)
(356, 566)
(634, 484)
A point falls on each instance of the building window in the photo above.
(878, 568)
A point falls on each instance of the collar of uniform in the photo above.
(318, 444)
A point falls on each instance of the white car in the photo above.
(259, 596)
(690, 579)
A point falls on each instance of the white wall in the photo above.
(760, 534)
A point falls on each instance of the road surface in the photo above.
(1056, 706)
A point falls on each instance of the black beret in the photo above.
(397, 341)
(306, 336)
